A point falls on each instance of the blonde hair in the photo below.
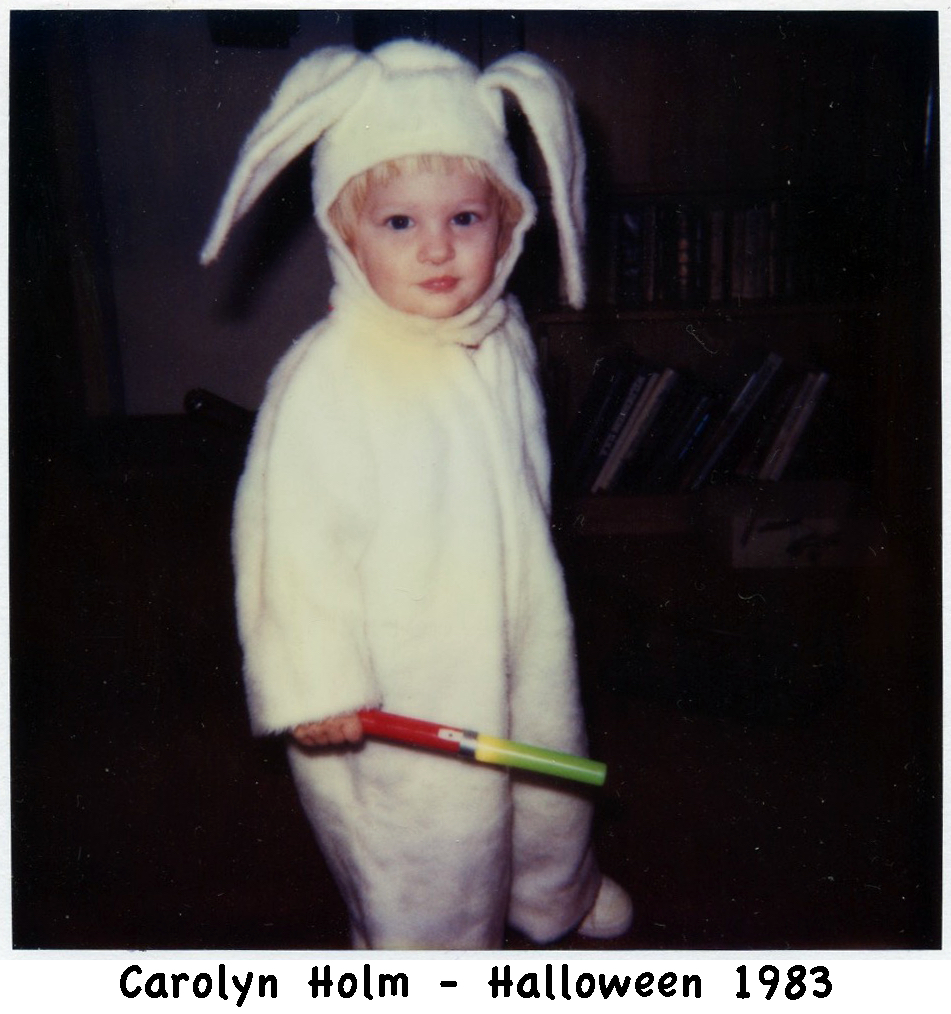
(351, 200)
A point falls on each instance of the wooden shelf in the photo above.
(750, 309)
(684, 513)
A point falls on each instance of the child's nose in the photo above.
(435, 246)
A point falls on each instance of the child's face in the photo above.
(428, 242)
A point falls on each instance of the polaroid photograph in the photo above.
(474, 504)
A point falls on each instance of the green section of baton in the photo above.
(535, 758)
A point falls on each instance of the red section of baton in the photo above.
(409, 730)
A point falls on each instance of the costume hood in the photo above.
(414, 98)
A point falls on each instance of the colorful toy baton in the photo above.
(479, 747)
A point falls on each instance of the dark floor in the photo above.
(799, 811)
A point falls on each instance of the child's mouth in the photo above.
(445, 283)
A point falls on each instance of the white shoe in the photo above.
(611, 914)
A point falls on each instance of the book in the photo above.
(716, 255)
(684, 257)
(637, 427)
(601, 452)
(666, 255)
(608, 465)
(650, 254)
(776, 272)
(737, 252)
(782, 431)
(756, 254)
(679, 253)
(726, 429)
(684, 435)
(689, 256)
(790, 434)
(603, 396)
(772, 413)
(630, 255)
(639, 466)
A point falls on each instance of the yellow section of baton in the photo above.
(490, 750)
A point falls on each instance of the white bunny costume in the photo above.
(391, 536)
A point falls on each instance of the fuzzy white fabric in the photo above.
(392, 548)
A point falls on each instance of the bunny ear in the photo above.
(314, 95)
(547, 101)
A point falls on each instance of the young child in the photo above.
(391, 536)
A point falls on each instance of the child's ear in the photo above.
(547, 101)
(316, 92)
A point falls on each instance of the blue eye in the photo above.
(465, 218)
(399, 222)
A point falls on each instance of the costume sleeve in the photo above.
(302, 521)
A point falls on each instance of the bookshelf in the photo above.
(788, 179)
(717, 349)
(745, 596)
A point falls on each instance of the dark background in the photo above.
(783, 790)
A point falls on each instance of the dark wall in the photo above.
(125, 128)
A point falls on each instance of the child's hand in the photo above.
(329, 732)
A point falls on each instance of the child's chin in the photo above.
(441, 309)
(447, 314)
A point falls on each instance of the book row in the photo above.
(665, 252)
(643, 428)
